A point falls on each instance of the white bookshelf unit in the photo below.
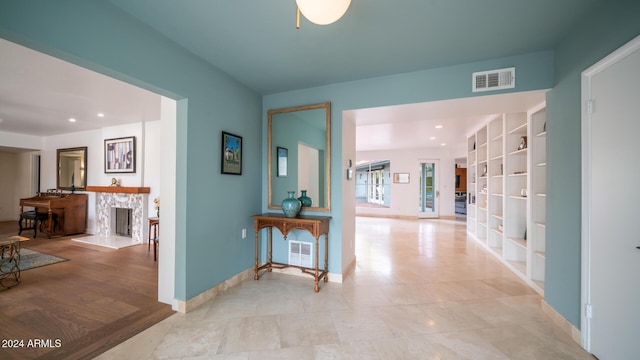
(538, 201)
(507, 191)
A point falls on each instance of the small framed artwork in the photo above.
(283, 157)
(120, 155)
(231, 154)
(401, 178)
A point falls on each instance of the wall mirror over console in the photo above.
(72, 168)
(305, 131)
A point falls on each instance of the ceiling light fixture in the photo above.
(72, 120)
(100, 115)
(438, 126)
(323, 12)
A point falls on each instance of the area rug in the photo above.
(31, 259)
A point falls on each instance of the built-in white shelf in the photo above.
(509, 170)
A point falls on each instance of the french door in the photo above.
(429, 189)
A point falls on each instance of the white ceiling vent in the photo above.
(494, 80)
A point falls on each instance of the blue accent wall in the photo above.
(601, 32)
(211, 208)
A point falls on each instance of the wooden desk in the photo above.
(315, 225)
(71, 210)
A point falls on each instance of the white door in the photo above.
(611, 131)
(429, 192)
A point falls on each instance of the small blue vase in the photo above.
(291, 206)
(304, 199)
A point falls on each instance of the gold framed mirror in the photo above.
(72, 169)
(299, 155)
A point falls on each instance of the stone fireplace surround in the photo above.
(110, 197)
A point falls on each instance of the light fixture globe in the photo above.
(323, 12)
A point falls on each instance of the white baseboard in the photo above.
(563, 323)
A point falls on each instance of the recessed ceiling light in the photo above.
(438, 126)
(432, 138)
(443, 144)
(100, 114)
(72, 120)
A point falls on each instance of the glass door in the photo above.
(429, 193)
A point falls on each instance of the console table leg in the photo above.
(326, 257)
(255, 276)
(269, 250)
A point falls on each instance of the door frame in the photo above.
(436, 194)
(587, 75)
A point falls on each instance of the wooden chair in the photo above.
(154, 236)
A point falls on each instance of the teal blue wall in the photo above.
(603, 31)
(211, 208)
(535, 71)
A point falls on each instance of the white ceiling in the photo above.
(39, 93)
(414, 125)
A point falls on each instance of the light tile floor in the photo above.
(421, 290)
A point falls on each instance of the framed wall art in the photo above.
(231, 154)
(401, 178)
(120, 155)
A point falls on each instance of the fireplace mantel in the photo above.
(119, 189)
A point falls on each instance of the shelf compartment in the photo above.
(520, 129)
(519, 242)
(519, 152)
(518, 197)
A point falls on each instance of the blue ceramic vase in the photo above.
(304, 199)
(291, 206)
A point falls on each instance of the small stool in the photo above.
(154, 228)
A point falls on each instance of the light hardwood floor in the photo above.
(421, 290)
(91, 303)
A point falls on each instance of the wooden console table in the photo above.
(316, 225)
